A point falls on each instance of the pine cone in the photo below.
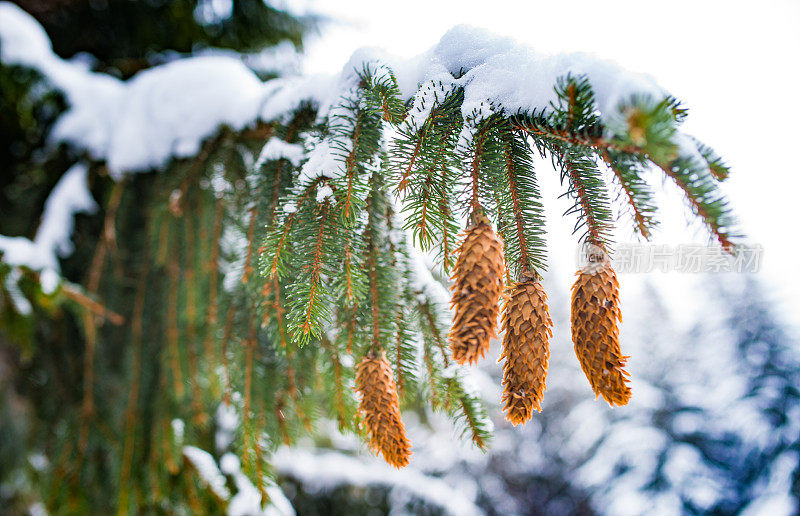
(380, 409)
(478, 283)
(527, 323)
(595, 331)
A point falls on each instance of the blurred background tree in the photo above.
(122, 38)
(43, 369)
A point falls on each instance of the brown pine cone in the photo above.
(380, 410)
(527, 326)
(595, 331)
(478, 283)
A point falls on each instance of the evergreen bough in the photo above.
(261, 279)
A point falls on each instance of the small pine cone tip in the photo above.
(380, 410)
(526, 350)
(595, 332)
(477, 287)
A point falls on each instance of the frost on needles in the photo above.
(313, 220)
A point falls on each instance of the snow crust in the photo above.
(287, 94)
(168, 110)
(246, 501)
(324, 192)
(322, 161)
(163, 112)
(94, 98)
(423, 280)
(207, 468)
(275, 149)
(227, 422)
(53, 237)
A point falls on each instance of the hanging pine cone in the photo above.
(380, 410)
(478, 283)
(527, 323)
(595, 332)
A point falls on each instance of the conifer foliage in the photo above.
(291, 247)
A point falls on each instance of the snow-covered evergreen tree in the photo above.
(205, 255)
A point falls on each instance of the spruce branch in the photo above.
(277, 306)
(703, 196)
(212, 269)
(382, 92)
(508, 173)
(525, 258)
(574, 110)
(465, 408)
(476, 155)
(449, 229)
(274, 259)
(247, 427)
(355, 132)
(381, 264)
(90, 327)
(374, 304)
(75, 293)
(308, 297)
(433, 341)
(434, 330)
(716, 165)
(351, 280)
(342, 401)
(402, 183)
(540, 126)
(587, 188)
(173, 329)
(627, 171)
(405, 348)
(405, 343)
(419, 220)
(424, 166)
(227, 392)
(131, 408)
(350, 172)
(651, 126)
(335, 262)
(190, 309)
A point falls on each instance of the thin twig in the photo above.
(133, 396)
(74, 293)
(92, 286)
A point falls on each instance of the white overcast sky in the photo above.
(735, 65)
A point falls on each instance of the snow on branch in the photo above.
(94, 98)
(166, 111)
(163, 112)
(53, 237)
(275, 149)
(208, 471)
(246, 501)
